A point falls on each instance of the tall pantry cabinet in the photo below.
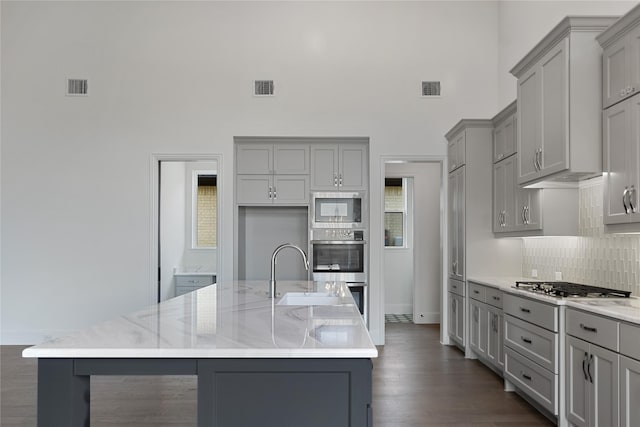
(472, 248)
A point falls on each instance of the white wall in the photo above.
(176, 77)
(522, 24)
(173, 200)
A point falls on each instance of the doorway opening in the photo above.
(186, 212)
(412, 254)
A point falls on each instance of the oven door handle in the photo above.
(338, 242)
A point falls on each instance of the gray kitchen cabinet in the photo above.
(339, 167)
(557, 104)
(486, 335)
(192, 282)
(504, 195)
(629, 392)
(456, 201)
(504, 133)
(621, 147)
(272, 173)
(272, 189)
(621, 59)
(592, 384)
(531, 364)
(456, 319)
(266, 159)
(456, 150)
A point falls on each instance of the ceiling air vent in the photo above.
(263, 88)
(430, 88)
(77, 87)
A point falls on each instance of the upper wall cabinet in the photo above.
(621, 59)
(268, 174)
(339, 167)
(456, 148)
(558, 108)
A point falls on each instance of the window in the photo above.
(205, 210)
(395, 212)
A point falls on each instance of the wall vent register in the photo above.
(568, 289)
(263, 88)
(430, 88)
(77, 87)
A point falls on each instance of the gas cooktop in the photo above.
(568, 289)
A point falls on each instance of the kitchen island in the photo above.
(303, 358)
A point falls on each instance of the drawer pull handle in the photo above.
(476, 292)
(584, 361)
(527, 340)
(526, 377)
(525, 310)
(589, 368)
(495, 298)
(588, 328)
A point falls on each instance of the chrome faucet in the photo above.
(272, 281)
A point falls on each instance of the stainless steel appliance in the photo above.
(338, 210)
(568, 289)
(341, 255)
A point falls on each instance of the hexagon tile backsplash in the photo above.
(593, 257)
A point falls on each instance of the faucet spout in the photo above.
(272, 280)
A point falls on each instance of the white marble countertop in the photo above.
(231, 319)
(627, 309)
(194, 273)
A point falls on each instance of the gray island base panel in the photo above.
(231, 392)
(258, 362)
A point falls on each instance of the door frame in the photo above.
(154, 212)
(441, 160)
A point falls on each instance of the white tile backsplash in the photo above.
(594, 257)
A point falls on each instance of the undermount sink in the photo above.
(309, 298)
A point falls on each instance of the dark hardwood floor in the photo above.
(416, 382)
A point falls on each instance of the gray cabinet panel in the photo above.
(529, 119)
(324, 167)
(538, 313)
(615, 62)
(577, 381)
(290, 189)
(353, 164)
(539, 383)
(254, 189)
(291, 159)
(339, 167)
(630, 340)
(534, 342)
(256, 159)
(603, 375)
(593, 328)
(616, 134)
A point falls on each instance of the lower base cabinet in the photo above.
(629, 392)
(486, 332)
(456, 319)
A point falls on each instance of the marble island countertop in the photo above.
(626, 309)
(228, 320)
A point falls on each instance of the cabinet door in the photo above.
(603, 375)
(633, 161)
(474, 326)
(495, 352)
(291, 159)
(456, 223)
(528, 209)
(456, 150)
(554, 78)
(460, 318)
(499, 195)
(529, 119)
(510, 166)
(452, 315)
(484, 329)
(254, 159)
(353, 166)
(616, 128)
(615, 63)
(324, 167)
(633, 70)
(504, 139)
(254, 189)
(577, 382)
(629, 392)
(290, 189)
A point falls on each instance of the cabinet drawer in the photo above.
(535, 312)
(494, 297)
(197, 281)
(477, 292)
(456, 287)
(538, 344)
(630, 340)
(181, 290)
(592, 328)
(538, 383)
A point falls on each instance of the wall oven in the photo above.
(341, 255)
(338, 210)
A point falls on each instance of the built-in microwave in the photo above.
(338, 210)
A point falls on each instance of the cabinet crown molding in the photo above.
(620, 28)
(506, 112)
(468, 123)
(568, 25)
